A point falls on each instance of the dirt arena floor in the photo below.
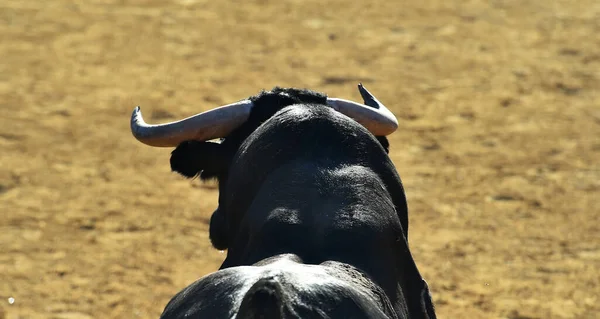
(498, 145)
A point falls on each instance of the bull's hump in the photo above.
(301, 207)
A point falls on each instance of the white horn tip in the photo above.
(136, 115)
(136, 111)
(136, 121)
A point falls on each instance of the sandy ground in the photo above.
(498, 147)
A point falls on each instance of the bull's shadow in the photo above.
(300, 173)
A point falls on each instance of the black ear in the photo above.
(384, 142)
(217, 231)
(192, 158)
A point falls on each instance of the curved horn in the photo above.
(204, 126)
(373, 115)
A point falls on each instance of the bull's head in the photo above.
(221, 121)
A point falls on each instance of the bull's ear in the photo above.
(192, 158)
(217, 230)
(384, 142)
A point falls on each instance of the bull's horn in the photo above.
(204, 126)
(375, 117)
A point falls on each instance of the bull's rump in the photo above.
(283, 289)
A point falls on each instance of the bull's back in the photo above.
(304, 142)
(322, 213)
(315, 183)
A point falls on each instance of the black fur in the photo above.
(192, 158)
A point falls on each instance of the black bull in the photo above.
(300, 178)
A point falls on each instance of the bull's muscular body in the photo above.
(301, 178)
(282, 287)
